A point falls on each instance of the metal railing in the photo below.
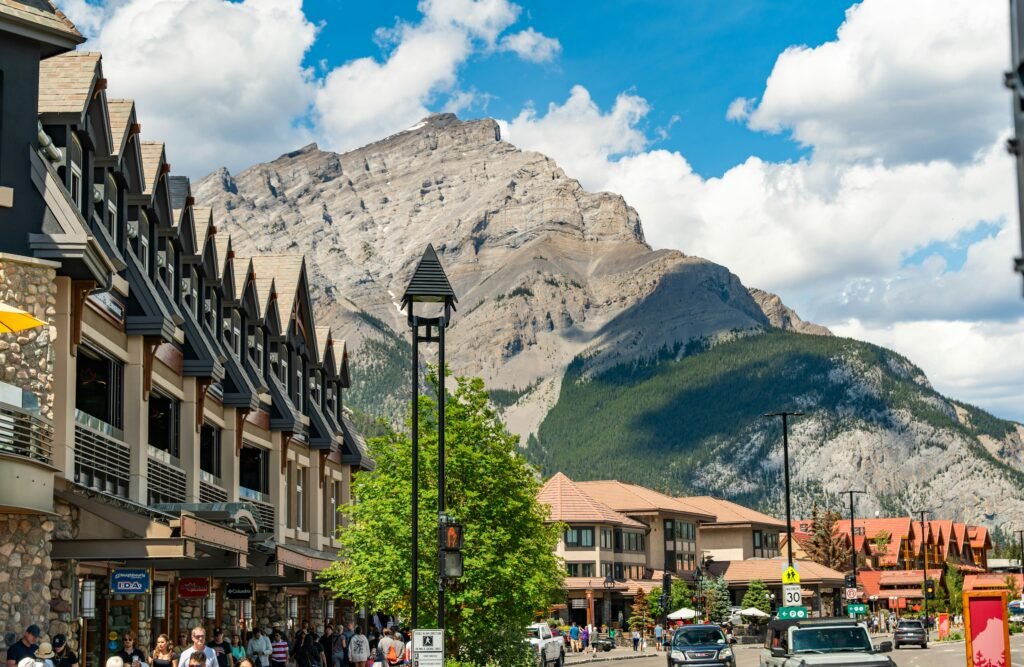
(260, 501)
(26, 434)
(102, 462)
(211, 493)
(166, 482)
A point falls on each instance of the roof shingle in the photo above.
(120, 114)
(66, 81)
(41, 13)
(152, 161)
(726, 512)
(571, 504)
(628, 498)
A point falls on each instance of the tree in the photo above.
(681, 596)
(881, 542)
(510, 567)
(955, 586)
(826, 547)
(1012, 587)
(757, 597)
(716, 593)
(641, 612)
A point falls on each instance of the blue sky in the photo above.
(689, 59)
(848, 156)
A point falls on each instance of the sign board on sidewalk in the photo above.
(428, 648)
(856, 609)
(792, 613)
(129, 580)
(851, 594)
(790, 576)
(791, 595)
(986, 628)
(943, 624)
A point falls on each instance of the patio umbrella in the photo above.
(753, 611)
(13, 320)
(683, 614)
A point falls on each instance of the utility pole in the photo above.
(785, 464)
(853, 538)
(924, 583)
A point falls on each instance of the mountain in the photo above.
(559, 295)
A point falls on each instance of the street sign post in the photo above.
(797, 613)
(791, 595)
(428, 648)
(856, 609)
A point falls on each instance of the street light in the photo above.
(924, 575)
(609, 585)
(853, 539)
(785, 463)
(429, 284)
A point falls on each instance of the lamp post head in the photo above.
(429, 284)
(609, 583)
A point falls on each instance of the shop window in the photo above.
(99, 391)
(163, 423)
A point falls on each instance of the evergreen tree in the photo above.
(641, 613)
(955, 586)
(825, 546)
(757, 597)
(716, 592)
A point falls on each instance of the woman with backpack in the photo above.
(359, 648)
(310, 654)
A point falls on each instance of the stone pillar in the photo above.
(314, 500)
(228, 458)
(27, 358)
(136, 421)
(277, 489)
(188, 441)
(65, 377)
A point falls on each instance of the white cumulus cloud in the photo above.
(531, 45)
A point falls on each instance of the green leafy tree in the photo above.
(757, 597)
(955, 586)
(681, 595)
(641, 612)
(716, 595)
(1013, 587)
(511, 571)
(826, 547)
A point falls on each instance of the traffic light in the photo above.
(450, 549)
(666, 582)
(929, 589)
(851, 581)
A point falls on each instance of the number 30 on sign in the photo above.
(791, 595)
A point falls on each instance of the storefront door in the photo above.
(122, 616)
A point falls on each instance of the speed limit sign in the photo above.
(791, 595)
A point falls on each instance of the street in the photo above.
(936, 655)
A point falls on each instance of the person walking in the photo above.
(310, 654)
(585, 638)
(358, 648)
(278, 650)
(258, 648)
(45, 654)
(130, 653)
(163, 653)
(198, 647)
(221, 648)
(338, 648)
(65, 656)
(658, 637)
(237, 650)
(574, 637)
(25, 647)
(636, 639)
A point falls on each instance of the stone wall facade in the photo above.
(27, 357)
(34, 588)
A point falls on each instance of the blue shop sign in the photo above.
(129, 580)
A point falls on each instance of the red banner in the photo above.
(987, 629)
(943, 626)
(193, 587)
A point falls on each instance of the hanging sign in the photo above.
(129, 580)
(193, 587)
(238, 591)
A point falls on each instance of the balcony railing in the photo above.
(26, 434)
(211, 493)
(262, 504)
(102, 461)
(166, 480)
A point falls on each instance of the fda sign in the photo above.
(128, 581)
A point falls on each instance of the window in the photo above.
(163, 423)
(236, 333)
(76, 183)
(144, 251)
(254, 469)
(332, 496)
(300, 505)
(210, 310)
(209, 449)
(190, 290)
(620, 572)
(607, 570)
(298, 392)
(111, 194)
(580, 569)
(606, 538)
(99, 391)
(582, 538)
(168, 269)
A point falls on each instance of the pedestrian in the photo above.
(636, 639)
(338, 649)
(221, 648)
(65, 656)
(45, 654)
(574, 637)
(358, 648)
(198, 649)
(198, 659)
(130, 653)
(258, 648)
(163, 653)
(183, 643)
(115, 661)
(310, 654)
(327, 643)
(390, 649)
(585, 637)
(237, 650)
(24, 647)
(278, 650)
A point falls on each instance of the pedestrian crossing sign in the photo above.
(790, 576)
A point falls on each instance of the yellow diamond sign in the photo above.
(790, 576)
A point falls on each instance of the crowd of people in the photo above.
(323, 646)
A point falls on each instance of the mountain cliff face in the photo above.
(547, 275)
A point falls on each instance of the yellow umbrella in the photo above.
(14, 319)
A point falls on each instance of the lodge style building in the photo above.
(181, 413)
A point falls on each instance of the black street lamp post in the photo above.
(785, 463)
(853, 539)
(429, 284)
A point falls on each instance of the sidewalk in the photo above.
(618, 653)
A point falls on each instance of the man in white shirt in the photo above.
(198, 646)
(259, 648)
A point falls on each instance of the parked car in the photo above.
(819, 642)
(549, 648)
(910, 631)
(700, 646)
(602, 642)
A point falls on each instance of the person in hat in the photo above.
(24, 647)
(44, 654)
(65, 657)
